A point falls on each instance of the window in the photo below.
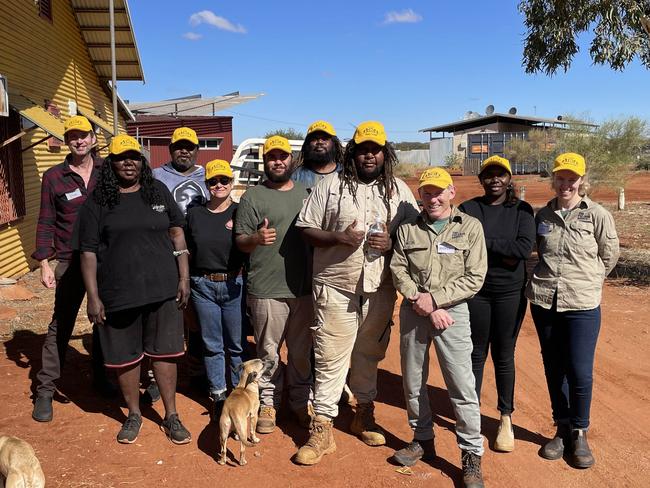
(212, 144)
(45, 9)
(12, 189)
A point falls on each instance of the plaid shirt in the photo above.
(63, 192)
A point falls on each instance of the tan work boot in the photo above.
(363, 425)
(505, 441)
(321, 442)
(305, 415)
(266, 420)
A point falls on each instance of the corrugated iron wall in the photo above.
(43, 60)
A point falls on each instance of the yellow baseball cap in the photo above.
(370, 131)
(496, 161)
(77, 122)
(277, 142)
(437, 177)
(218, 167)
(185, 134)
(122, 143)
(571, 161)
(322, 126)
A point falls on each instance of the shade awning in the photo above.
(37, 115)
(98, 121)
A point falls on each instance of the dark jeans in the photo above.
(568, 342)
(495, 320)
(68, 296)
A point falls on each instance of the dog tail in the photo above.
(240, 428)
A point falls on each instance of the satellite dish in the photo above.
(512, 111)
(474, 115)
(467, 115)
(559, 117)
(489, 110)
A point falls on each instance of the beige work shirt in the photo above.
(576, 253)
(330, 209)
(451, 265)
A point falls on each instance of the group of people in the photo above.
(313, 257)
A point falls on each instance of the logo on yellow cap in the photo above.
(322, 126)
(77, 122)
(218, 167)
(277, 142)
(185, 134)
(437, 177)
(571, 161)
(123, 143)
(496, 161)
(370, 131)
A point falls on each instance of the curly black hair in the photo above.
(337, 148)
(386, 179)
(107, 191)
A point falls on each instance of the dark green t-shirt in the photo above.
(283, 269)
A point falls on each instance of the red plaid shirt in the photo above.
(63, 192)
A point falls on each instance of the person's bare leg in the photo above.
(129, 381)
(164, 370)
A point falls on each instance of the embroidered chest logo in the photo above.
(584, 217)
(158, 208)
(457, 235)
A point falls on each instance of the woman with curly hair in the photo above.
(134, 263)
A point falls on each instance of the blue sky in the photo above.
(409, 65)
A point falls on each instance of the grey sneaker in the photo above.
(43, 409)
(152, 393)
(130, 429)
(176, 432)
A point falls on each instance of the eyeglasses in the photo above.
(224, 180)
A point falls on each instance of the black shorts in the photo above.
(155, 329)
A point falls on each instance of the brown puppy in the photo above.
(240, 406)
(19, 466)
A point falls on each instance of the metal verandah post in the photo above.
(111, 9)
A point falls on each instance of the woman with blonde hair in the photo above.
(578, 247)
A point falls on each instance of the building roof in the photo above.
(193, 105)
(497, 117)
(94, 22)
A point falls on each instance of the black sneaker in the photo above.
(152, 393)
(43, 409)
(175, 430)
(415, 451)
(130, 429)
(472, 475)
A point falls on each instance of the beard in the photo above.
(369, 176)
(314, 159)
(275, 178)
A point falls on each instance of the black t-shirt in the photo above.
(211, 241)
(135, 261)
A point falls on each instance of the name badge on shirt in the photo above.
(444, 248)
(71, 195)
(544, 228)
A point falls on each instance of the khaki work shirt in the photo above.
(575, 256)
(327, 208)
(451, 266)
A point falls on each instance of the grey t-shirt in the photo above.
(188, 190)
(283, 269)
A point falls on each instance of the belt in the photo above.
(231, 275)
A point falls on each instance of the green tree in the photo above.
(621, 31)
(534, 151)
(288, 133)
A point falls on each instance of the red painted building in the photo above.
(154, 132)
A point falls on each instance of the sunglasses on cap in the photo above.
(224, 180)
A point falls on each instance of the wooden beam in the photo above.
(108, 44)
(18, 136)
(119, 63)
(90, 10)
(102, 28)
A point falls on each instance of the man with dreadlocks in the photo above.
(321, 154)
(353, 292)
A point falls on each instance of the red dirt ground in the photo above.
(78, 449)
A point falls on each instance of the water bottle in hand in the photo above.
(377, 227)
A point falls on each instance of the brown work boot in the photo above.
(266, 420)
(321, 442)
(364, 426)
(472, 475)
(304, 415)
(505, 441)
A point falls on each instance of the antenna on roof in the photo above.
(512, 111)
(489, 110)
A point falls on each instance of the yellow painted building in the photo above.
(54, 63)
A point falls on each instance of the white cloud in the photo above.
(192, 36)
(210, 18)
(407, 16)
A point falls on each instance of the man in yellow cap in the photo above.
(439, 262)
(279, 283)
(321, 154)
(186, 181)
(349, 218)
(63, 190)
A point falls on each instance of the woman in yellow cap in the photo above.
(135, 267)
(216, 281)
(497, 310)
(577, 246)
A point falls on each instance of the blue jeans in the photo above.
(219, 309)
(568, 342)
